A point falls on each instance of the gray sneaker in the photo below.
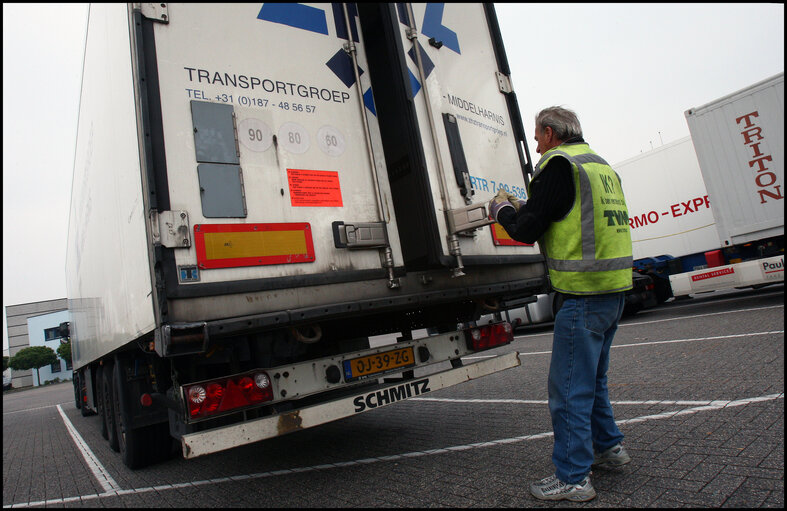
(615, 456)
(552, 488)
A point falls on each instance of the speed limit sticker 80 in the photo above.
(257, 136)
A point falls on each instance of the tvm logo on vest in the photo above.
(614, 216)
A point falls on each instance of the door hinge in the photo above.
(504, 83)
(170, 228)
(156, 12)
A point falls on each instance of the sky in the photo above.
(629, 71)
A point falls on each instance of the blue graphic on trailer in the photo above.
(342, 66)
(314, 20)
(433, 27)
(295, 15)
(428, 67)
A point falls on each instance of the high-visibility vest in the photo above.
(589, 250)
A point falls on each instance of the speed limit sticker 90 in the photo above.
(330, 140)
(255, 134)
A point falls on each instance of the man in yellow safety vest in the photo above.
(577, 212)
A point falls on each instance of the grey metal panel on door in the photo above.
(221, 189)
(214, 132)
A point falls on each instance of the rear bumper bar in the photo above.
(227, 437)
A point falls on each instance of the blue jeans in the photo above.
(582, 416)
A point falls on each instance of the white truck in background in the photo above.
(707, 211)
(259, 188)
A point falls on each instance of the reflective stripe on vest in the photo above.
(586, 262)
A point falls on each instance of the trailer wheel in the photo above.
(86, 412)
(108, 408)
(661, 288)
(77, 390)
(100, 401)
(134, 448)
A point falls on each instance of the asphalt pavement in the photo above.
(697, 387)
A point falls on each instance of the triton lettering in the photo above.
(764, 179)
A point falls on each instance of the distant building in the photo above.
(44, 330)
(20, 334)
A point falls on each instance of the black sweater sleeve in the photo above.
(551, 198)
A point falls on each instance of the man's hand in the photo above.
(503, 199)
(518, 203)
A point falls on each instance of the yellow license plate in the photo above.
(364, 367)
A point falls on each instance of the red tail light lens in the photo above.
(650, 287)
(227, 394)
(489, 336)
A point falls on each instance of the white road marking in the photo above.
(702, 315)
(650, 343)
(667, 319)
(649, 402)
(712, 405)
(95, 466)
(31, 409)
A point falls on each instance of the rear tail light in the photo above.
(227, 394)
(489, 336)
(650, 287)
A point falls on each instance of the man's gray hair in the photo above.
(563, 122)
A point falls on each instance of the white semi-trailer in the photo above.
(259, 188)
(707, 211)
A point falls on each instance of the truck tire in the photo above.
(108, 408)
(86, 412)
(661, 288)
(133, 443)
(77, 391)
(100, 401)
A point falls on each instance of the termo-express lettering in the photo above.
(675, 210)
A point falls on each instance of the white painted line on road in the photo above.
(415, 454)
(33, 409)
(650, 343)
(30, 409)
(679, 318)
(689, 411)
(648, 402)
(95, 466)
(702, 315)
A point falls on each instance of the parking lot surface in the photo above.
(697, 386)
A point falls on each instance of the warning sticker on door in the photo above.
(314, 188)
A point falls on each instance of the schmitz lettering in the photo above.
(391, 395)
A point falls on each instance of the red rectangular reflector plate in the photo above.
(501, 237)
(235, 245)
